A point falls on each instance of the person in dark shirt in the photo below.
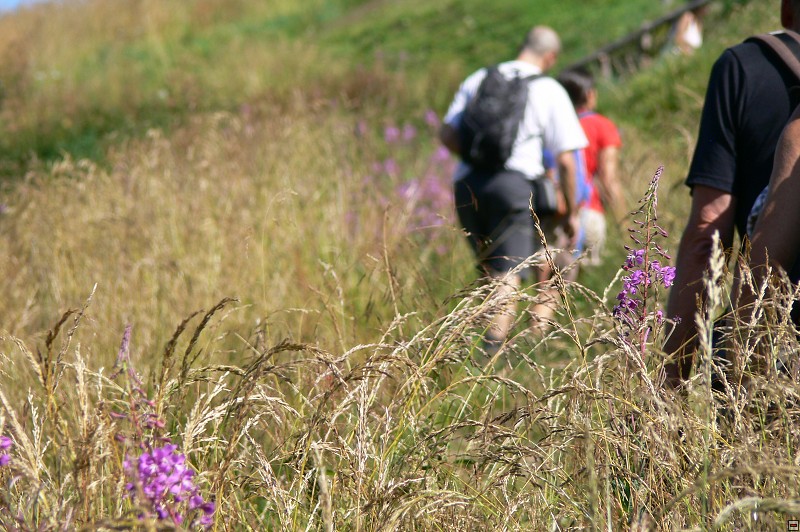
(746, 107)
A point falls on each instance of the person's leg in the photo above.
(508, 222)
(503, 319)
(474, 215)
(592, 239)
(593, 225)
(466, 192)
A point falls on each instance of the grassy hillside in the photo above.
(228, 225)
(69, 81)
(426, 33)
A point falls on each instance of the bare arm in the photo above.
(567, 173)
(449, 137)
(712, 210)
(611, 193)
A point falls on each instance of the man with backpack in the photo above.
(500, 120)
(747, 105)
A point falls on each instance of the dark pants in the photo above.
(493, 208)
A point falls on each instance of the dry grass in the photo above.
(339, 391)
(260, 205)
(334, 377)
(415, 431)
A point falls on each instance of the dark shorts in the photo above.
(494, 211)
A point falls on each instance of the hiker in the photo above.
(747, 105)
(686, 35)
(492, 199)
(601, 158)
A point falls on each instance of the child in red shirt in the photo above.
(601, 158)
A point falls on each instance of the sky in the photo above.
(6, 5)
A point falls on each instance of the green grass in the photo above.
(428, 33)
(152, 74)
(156, 75)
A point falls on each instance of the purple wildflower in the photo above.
(5, 445)
(641, 277)
(668, 275)
(636, 279)
(391, 167)
(635, 258)
(391, 134)
(409, 132)
(643, 273)
(163, 478)
(431, 118)
(441, 155)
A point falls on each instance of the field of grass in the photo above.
(227, 225)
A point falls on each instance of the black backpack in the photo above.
(491, 120)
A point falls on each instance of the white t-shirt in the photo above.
(693, 36)
(550, 120)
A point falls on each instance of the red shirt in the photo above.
(602, 133)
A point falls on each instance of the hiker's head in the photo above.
(579, 84)
(541, 47)
(790, 14)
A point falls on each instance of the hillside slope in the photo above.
(230, 228)
(74, 74)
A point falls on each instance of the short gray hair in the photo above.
(542, 39)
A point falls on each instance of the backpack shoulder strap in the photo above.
(526, 79)
(532, 77)
(786, 46)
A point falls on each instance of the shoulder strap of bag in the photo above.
(786, 45)
(528, 78)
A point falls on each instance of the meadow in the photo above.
(236, 297)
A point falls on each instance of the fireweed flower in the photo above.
(643, 265)
(635, 258)
(634, 288)
(159, 480)
(422, 188)
(5, 445)
(162, 477)
(409, 132)
(431, 118)
(391, 134)
(391, 167)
